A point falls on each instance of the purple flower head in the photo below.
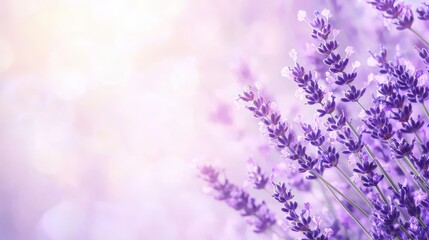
(365, 167)
(321, 27)
(329, 157)
(299, 152)
(313, 136)
(366, 170)
(353, 146)
(278, 130)
(394, 100)
(371, 179)
(281, 193)
(306, 163)
(345, 78)
(423, 164)
(378, 124)
(385, 221)
(264, 220)
(406, 20)
(255, 175)
(424, 55)
(328, 107)
(386, 89)
(398, 12)
(405, 80)
(405, 199)
(412, 126)
(239, 199)
(298, 222)
(336, 123)
(208, 173)
(353, 94)
(401, 149)
(423, 12)
(260, 217)
(402, 114)
(418, 94)
(326, 48)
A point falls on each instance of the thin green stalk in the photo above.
(425, 109)
(341, 194)
(381, 194)
(416, 172)
(422, 222)
(330, 206)
(418, 138)
(405, 231)
(355, 187)
(420, 36)
(348, 211)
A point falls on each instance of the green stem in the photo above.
(424, 186)
(422, 222)
(420, 37)
(418, 138)
(348, 211)
(341, 194)
(355, 187)
(425, 109)
(405, 231)
(330, 206)
(381, 194)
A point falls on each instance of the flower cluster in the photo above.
(298, 221)
(261, 218)
(400, 14)
(381, 154)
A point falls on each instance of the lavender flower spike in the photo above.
(258, 214)
(255, 175)
(298, 221)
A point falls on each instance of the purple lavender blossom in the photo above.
(257, 179)
(401, 14)
(423, 12)
(391, 130)
(298, 222)
(260, 217)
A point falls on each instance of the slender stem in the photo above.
(420, 36)
(418, 138)
(381, 194)
(341, 194)
(355, 187)
(425, 109)
(422, 222)
(330, 206)
(360, 105)
(405, 231)
(348, 211)
(401, 166)
(423, 185)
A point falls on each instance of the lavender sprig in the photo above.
(260, 217)
(298, 221)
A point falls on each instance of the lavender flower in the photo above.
(401, 14)
(424, 54)
(392, 130)
(298, 222)
(255, 175)
(261, 218)
(423, 12)
(386, 221)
